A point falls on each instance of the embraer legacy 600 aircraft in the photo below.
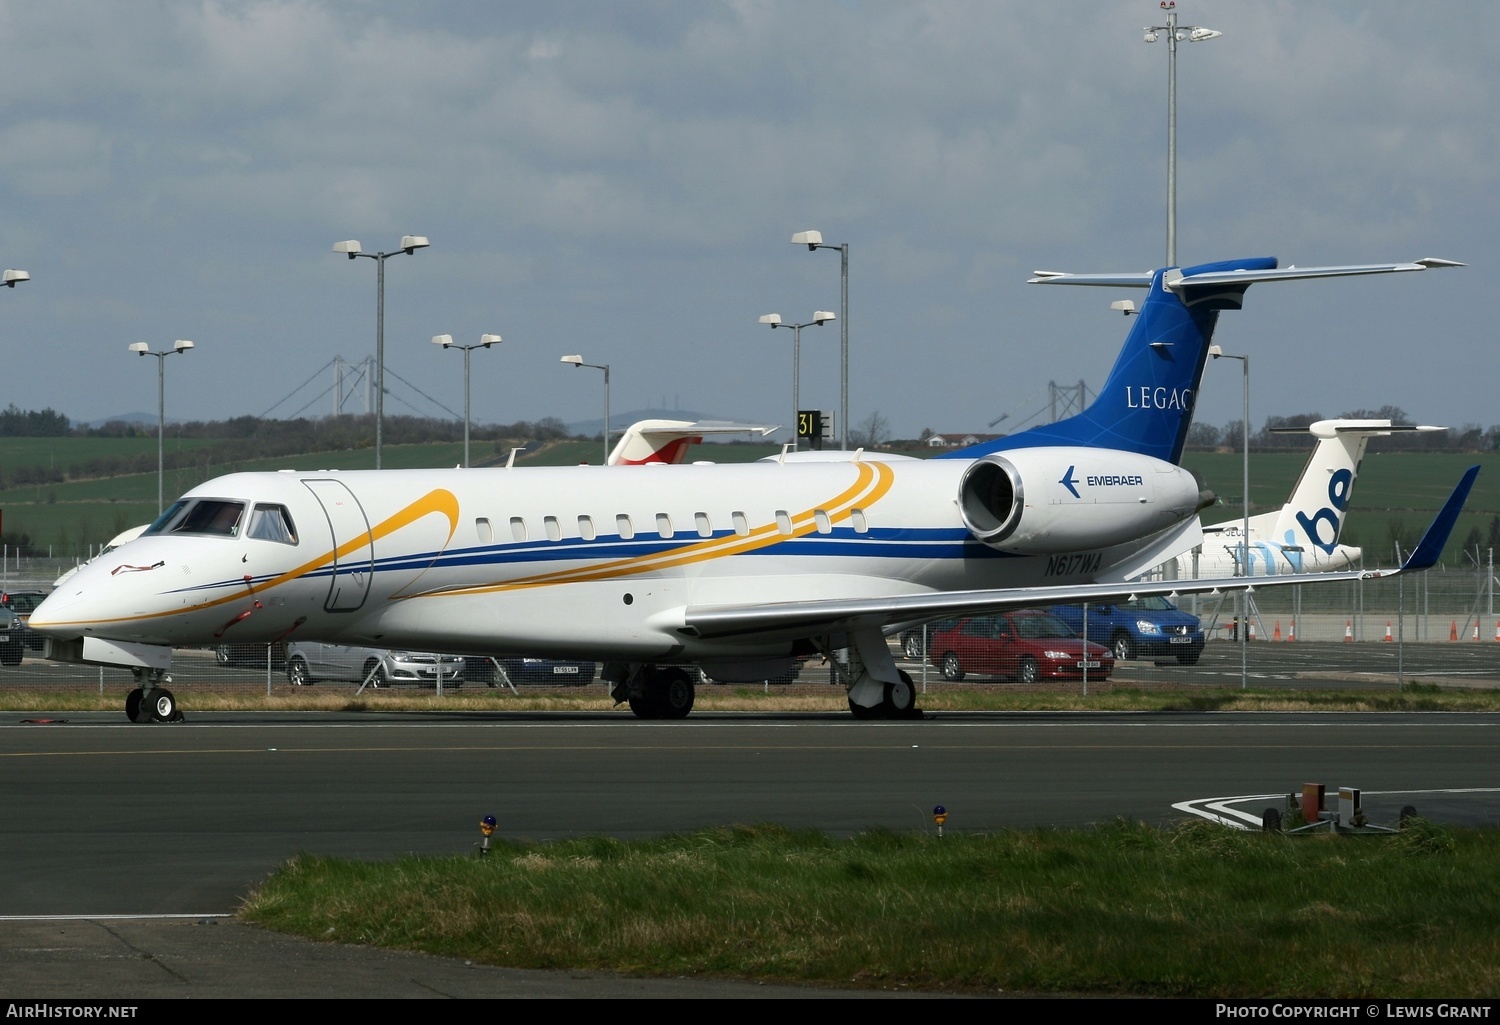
(655, 570)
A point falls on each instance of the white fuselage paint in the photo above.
(600, 562)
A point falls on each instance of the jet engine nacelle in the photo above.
(1046, 501)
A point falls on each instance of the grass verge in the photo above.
(1415, 698)
(1196, 910)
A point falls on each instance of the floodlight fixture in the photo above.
(813, 240)
(143, 349)
(773, 320)
(446, 341)
(1175, 34)
(352, 249)
(577, 361)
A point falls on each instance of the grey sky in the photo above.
(621, 180)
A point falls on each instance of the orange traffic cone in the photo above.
(1476, 629)
(1453, 631)
(1276, 634)
(1251, 635)
(1387, 629)
(1348, 632)
(1291, 634)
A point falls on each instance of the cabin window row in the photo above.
(702, 526)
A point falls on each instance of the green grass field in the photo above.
(1193, 911)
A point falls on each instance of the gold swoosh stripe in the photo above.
(871, 483)
(439, 500)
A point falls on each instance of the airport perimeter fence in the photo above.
(1441, 627)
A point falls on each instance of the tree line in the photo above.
(1279, 433)
(248, 438)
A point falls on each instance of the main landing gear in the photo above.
(150, 701)
(656, 692)
(877, 689)
(899, 702)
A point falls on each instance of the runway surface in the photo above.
(105, 817)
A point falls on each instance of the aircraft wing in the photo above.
(805, 618)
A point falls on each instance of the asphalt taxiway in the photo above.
(109, 818)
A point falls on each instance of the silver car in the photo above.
(310, 661)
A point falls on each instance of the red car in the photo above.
(1027, 646)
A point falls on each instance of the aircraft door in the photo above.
(354, 551)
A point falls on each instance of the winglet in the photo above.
(1426, 554)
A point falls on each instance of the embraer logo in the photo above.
(1109, 480)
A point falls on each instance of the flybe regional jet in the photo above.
(658, 570)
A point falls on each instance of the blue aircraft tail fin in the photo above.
(1146, 403)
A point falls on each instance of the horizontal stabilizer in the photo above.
(1218, 274)
(667, 441)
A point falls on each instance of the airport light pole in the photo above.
(142, 349)
(409, 245)
(577, 361)
(1175, 34)
(813, 240)
(1244, 626)
(485, 341)
(774, 319)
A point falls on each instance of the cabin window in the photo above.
(483, 529)
(517, 528)
(552, 527)
(820, 516)
(741, 524)
(701, 521)
(586, 527)
(624, 527)
(664, 524)
(783, 521)
(272, 523)
(857, 518)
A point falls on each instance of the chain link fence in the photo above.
(1439, 627)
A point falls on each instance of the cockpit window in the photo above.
(173, 511)
(200, 516)
(272, 523)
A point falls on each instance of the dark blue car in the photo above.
(1143, 628)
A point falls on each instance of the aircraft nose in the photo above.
(53, 610)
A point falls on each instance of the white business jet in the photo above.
(653, 570)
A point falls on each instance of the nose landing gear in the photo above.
(152, 701)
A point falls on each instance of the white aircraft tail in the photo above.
(667, 441)
(1313, 518)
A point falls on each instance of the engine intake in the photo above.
(991, 499)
